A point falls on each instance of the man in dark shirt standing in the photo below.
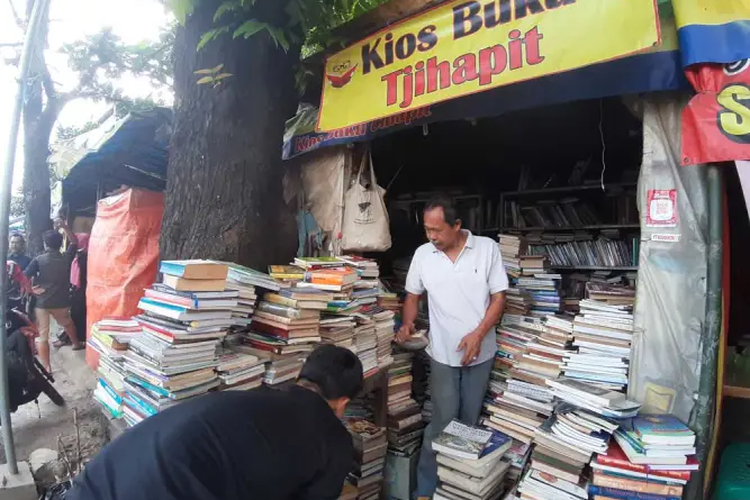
(17, 251)
(51, 274)
(262, 444)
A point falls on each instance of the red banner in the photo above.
(716, 122)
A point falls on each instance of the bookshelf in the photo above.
(580, 228)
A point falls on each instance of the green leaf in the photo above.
(223, 9)
(205, 79)
(182, 9)
(222, 76)
(209, 71)
(279, 37)
(249, 28)
(210, 35)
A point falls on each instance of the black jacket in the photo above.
(262, 444)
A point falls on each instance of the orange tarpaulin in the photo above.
(123, 256)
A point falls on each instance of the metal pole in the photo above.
(704, 413)
(27, 54)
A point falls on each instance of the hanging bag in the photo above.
(366, 227)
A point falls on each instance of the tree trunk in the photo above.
(36, 188)
(224, 186)
(38, 120)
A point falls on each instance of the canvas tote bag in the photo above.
(366, 227)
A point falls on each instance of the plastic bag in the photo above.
(366, 227)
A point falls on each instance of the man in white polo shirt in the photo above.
(465, 281)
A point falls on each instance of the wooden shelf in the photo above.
(569, 189)
(736, 391)
(568, 229)
(594, 268)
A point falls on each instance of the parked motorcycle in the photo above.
(27, 377)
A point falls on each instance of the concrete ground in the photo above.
(40, 427)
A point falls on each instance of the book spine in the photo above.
(627, 495)
(636, 486)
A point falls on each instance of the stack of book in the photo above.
(389, 301)
(366, 344)
(240, 371)
(338, 330)
(563, 448)
(110, 338)
(286, 325)
(370, 445)
(367, 269)
(519, 399)
(405, 425)
(657, 460)
(533, 264)
(470, 464)
(176, 355)
(512, 248)
(543, 289)
(603, 334)
(384, 331)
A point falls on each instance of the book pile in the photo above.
(183, 319)
(370, 447)
(110, 338)
(583, 250)
(651, 455)
(286, 324)
(239, 281)
(421, 385)
(240, 371)
(563, 448)
(519, 399)
(511, 249)
(602, 333)
(366, 344)
(405, 425)
(470, 465)
(544, 293)
(390, 302)
(384, 331)
(584, 418)
(338, 330)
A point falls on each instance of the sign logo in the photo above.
(341, 79)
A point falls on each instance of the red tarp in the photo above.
(123, 256)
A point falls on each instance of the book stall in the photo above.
(605, 215)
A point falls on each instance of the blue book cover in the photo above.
(660, 425)
(138, 404)
(175, 268)
(497, 440)
(148, 386)
(164, 305)
(104, 385)
(625, 494)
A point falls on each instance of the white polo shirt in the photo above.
(459, 294)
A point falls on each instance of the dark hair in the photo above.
(446, 203)
(335, 370)
(18, 235)
(52, 239)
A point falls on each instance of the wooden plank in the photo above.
(736, 391)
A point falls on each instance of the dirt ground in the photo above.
(75, 381)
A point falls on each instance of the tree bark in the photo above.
(38, 119)
(224, 195)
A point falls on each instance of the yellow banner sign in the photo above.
(462, 47)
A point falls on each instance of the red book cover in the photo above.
(271, 330)
(615, 457)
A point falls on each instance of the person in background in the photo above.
(261, 444)
(17, 251)
(51, 274)
(464, 278)
(78, 270)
